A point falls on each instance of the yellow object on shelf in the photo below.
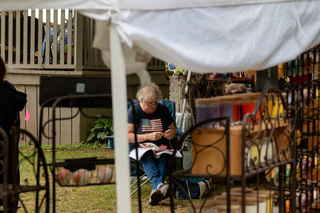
(298, 137)
(260, 152)
(280, 70)
(251, 72)
(275, 110)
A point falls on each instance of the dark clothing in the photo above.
(22, 35)
(147, 123)
(11, 102)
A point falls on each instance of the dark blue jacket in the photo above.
(11, 103)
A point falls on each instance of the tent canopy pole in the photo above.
(120, 120)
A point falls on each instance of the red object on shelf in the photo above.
(248, 108)
(236, 112)
(299, 78)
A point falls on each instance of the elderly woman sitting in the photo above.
(154, 125)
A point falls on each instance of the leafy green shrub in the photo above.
(101, 128)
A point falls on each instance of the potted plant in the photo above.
(101, 129)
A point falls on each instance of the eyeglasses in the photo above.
(151, 103)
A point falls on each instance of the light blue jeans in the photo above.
(155, 168)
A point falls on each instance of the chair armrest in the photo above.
(109, 137)
(179, 132)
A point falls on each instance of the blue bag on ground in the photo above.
(193, 188)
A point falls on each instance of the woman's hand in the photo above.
(169, 134)
(155, 136)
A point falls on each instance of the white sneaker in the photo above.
(155, 197)
(165, 191)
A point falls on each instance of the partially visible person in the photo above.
(154, 125)
(11, 103)
(50, 44)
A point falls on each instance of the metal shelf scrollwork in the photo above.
(268, 142)
(207, 148)
(265, 140)
(268, 139)
(15, 182)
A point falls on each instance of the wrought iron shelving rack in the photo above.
(301, 84)
(13, 164)
(245, 155)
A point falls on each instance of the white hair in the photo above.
(149, 91)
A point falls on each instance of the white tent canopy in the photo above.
(223, 39)
(203, 36)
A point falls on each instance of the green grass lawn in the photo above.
(101, 198)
